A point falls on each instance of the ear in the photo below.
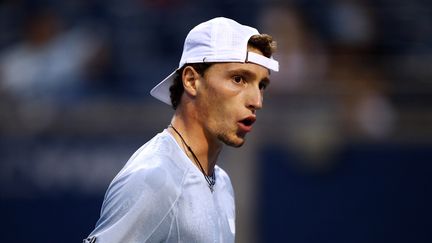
(190, 78)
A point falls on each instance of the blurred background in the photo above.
(341, 152)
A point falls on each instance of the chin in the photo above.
(232, 142)
(238, 145)
(235, 145)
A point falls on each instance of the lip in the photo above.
(246, 127)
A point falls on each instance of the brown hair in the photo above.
(262, 42)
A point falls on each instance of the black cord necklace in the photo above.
(211, 180)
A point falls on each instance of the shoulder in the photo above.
(159, 154)
(149, 177)
(152, 171)
(142, 195)
(143, 189)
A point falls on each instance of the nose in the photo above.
(254, 100)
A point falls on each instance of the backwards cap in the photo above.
(217, 40)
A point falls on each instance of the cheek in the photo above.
(217, 104)
(215, 107)
(215, 110)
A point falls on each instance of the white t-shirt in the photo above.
(161, 196)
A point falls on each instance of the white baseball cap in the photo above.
(217, 40)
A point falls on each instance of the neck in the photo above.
(205, 147)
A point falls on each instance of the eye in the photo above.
(238, 79)
(263, 85)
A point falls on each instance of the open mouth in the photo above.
(248, 121)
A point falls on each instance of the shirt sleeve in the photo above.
(138, 207)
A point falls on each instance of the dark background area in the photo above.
(341, 152)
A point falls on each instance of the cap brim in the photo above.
(161, 90)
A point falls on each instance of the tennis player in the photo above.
(171, 189)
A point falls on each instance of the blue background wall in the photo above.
(341, 152)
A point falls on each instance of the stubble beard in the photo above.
(235, 142)
(225, 133)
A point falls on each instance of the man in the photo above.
(171, 190)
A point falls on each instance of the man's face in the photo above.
(228, 98)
